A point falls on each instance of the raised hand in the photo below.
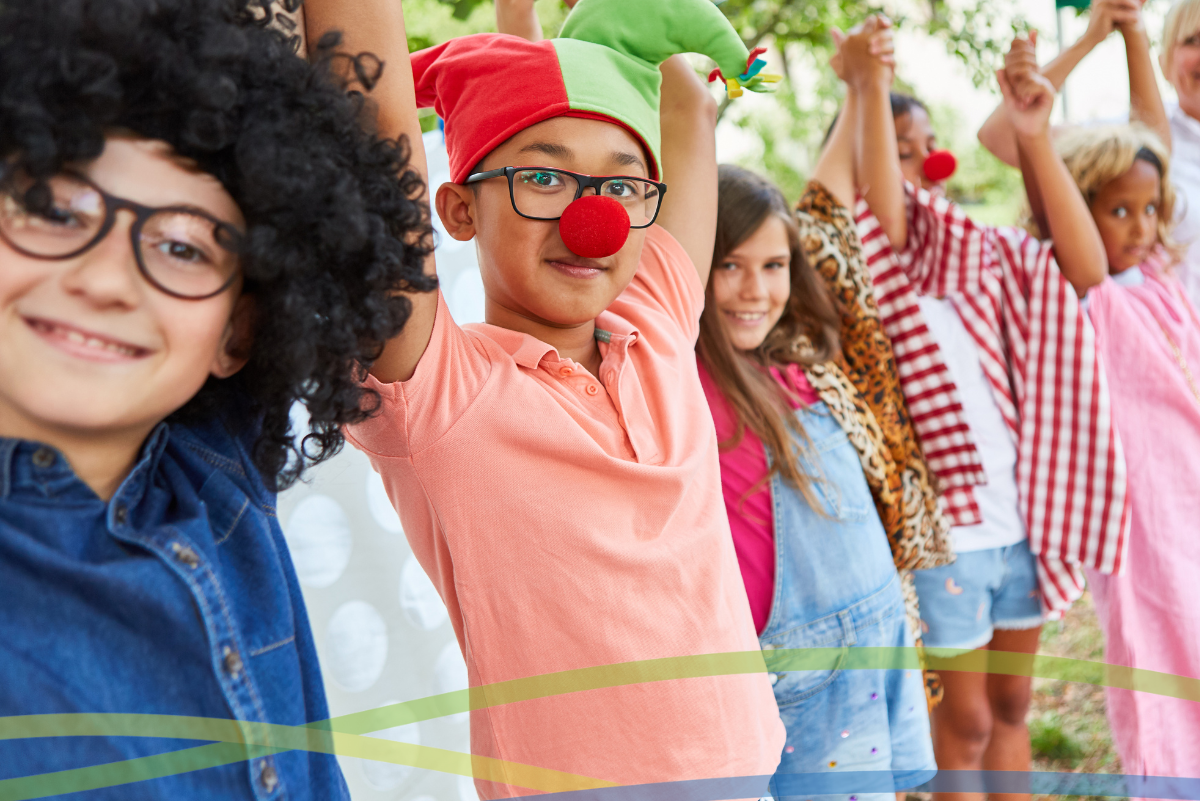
(1020, 64)
(866, 54)
(1106, 16)
(1030, 114)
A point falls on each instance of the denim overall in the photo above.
(836, 586)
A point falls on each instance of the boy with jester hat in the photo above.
(556, 468)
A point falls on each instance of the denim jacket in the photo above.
(177, 597)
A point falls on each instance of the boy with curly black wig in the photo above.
(195, 234)
(556, 469)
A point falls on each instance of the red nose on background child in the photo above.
(940, 165)
(594, 227)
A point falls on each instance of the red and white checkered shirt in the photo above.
(1038, 353)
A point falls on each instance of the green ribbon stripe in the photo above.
(237, 741)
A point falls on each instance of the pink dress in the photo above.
(1150, 613)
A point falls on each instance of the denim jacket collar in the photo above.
(33, 470)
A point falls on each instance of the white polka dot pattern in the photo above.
(379, 625)
(419, 598)
(384, 775)
(357, 646)
(381, 506)
(318, 535)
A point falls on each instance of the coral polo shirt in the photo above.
(573, 521)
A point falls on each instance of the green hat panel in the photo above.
(603, 81)
(651, 31)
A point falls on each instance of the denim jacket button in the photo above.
(774, 677)
(184, 554)
(268, 777)
(121, 514)
(769, 647)
(232, 661)
(43, 457)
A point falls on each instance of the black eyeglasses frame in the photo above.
(113, 204)
(584, 182)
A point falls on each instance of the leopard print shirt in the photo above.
(862, 389)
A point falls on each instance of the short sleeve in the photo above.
(666, 281)
(414, 414)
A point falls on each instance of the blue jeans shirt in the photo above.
(177, 597)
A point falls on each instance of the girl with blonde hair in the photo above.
(1148, 336)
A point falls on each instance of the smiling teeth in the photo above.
(749, 315)
(93, 342)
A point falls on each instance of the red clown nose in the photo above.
(594, 227)
(940, 165)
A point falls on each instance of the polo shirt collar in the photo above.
(529, 351)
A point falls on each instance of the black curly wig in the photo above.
(334, 216)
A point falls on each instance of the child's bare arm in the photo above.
(878, 157)
(689, 168)
(1105, 16)
(377, 27)
(1145, 101)
(518, 18)
(1078, 248)
(835, 168)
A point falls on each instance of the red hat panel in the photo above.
(488, 87)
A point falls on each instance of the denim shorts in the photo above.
(962, 604)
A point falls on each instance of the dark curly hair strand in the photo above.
(335, 218)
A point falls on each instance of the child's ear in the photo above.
(239, 336)
(456, 208)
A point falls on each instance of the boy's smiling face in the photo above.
(528, 273)
(89, 348)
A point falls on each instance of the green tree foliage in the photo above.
(788, 129)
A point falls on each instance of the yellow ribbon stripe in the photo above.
(234, 741)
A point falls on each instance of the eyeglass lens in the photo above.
(184, 253)
(547, 193)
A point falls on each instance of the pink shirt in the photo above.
(750, 517)
(571, 521)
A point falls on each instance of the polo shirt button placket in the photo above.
(592, 390)
(566, 371)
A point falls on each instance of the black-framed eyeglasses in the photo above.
(542, 193)
(183, 252)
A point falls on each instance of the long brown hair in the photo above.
(806, 334)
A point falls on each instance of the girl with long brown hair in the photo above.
(823, 496)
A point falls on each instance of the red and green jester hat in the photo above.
(603, 65)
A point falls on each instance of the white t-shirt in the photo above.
(1002, 524)
(1185, 175)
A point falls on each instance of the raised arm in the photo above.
(836, 165)
(1104, 17)
(878, 157)
(689, 155)
(519, 18)
(1078, 248)
(377, 27)
(1145, 101)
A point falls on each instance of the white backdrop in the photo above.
(382, 632)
